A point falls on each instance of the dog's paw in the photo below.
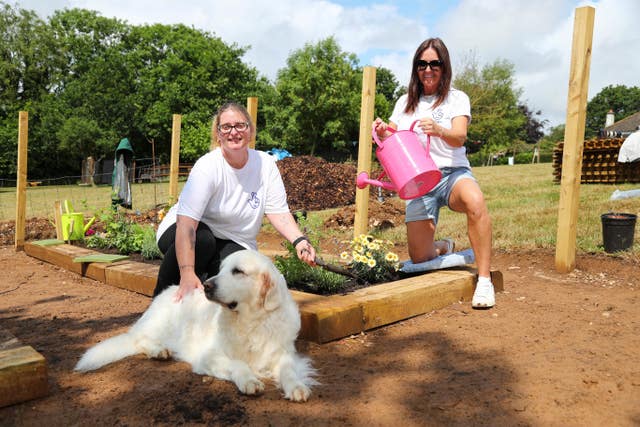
(299, 393)
(163, 354)
(251, 386)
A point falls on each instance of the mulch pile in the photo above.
(314, 184)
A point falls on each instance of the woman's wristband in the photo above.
(300, 239)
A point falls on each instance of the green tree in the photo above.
(623, 100)
(497, 122)
(29, 56)
(181, 70)
(388, 90)
(318, 104)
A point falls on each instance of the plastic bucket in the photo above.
(72, 226)
(407, 163)
(617, 231)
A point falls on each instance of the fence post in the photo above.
(573, 139)
(175, 159)
(252, 108)
(21, 184)
(361, 220)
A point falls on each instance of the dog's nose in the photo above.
(210, 283)
(210, 286)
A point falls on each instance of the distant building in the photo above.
(621, 128)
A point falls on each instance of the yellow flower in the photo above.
(374, 246)
(391, 257)
(371, 262)
(344, 255)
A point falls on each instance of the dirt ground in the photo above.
(557, 350)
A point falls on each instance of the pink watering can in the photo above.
(407, 163)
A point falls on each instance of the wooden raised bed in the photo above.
(23, 371)
(324, 318)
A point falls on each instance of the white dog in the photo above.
(242, 328)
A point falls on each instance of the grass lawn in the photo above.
(522, 200)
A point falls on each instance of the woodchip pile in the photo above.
(599, 163)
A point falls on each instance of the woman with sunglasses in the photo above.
(444, 113)
(221, 207)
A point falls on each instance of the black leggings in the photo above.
(210, 251)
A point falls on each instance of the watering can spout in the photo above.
(362, 180)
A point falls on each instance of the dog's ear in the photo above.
(269, 293)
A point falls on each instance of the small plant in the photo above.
(300, 275)
(371, 260)
(125, 236)
(304, 277)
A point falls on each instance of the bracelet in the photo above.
(300, 239)
(180, 267)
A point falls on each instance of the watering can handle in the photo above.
(392, 130)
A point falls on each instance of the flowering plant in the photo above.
(371, 260)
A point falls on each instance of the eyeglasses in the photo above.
(239, 127)
(422, 65)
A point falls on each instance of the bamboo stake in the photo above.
(573, 139)
(361, 220)
(21, 184)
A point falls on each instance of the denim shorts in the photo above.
(428, 206)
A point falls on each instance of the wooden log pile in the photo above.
(599, 163)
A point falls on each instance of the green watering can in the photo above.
(73, 226)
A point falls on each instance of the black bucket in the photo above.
(617, 231)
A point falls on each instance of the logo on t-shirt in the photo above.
(254, 201)
(437, 114)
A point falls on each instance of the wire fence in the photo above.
(88, 199)
(90, 193)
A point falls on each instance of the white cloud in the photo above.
(535, 36)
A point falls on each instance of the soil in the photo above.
(557, 349)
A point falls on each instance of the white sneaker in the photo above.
(484, 295)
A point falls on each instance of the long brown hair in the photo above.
(415, 86)
(231, 105)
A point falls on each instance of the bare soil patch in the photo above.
(558, 349)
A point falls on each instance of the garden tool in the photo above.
(73, 226)
(338, 270)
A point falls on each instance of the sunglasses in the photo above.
(422, 65)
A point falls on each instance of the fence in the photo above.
(89, 199)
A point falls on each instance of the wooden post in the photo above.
(175, 159)
(21, 184)
(574, 139)
(57, 216)
(361, 220)
(252, 108)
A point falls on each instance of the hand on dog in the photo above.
(188, 283)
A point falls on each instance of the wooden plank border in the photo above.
(324, 318)
(23, 371)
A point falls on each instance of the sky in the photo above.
(535, 36)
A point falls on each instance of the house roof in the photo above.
(628, 124)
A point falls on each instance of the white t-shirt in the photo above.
(231, 202)
(456, 104)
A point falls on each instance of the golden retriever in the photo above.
(242, 328)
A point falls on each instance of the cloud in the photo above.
(535, 36)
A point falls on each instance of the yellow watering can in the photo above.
(73, 226)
